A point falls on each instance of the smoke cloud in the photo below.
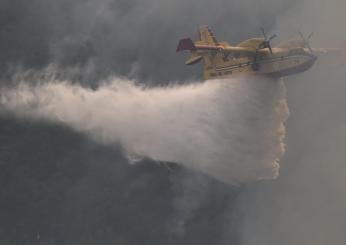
(306, 205)
(136, 38)
(229, 129)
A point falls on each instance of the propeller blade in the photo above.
(310, 49)
(272, 37)
(264, 33)
(309, 37)
(266, 42)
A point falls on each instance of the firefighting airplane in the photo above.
(254, 56)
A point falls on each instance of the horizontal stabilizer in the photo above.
(186, 44)
(193, 60)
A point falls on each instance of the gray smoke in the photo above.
(230, 129)
(306, 205)
(123, 37)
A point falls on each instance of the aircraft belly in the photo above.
(276, 66)
(280, 63)
(288, 66)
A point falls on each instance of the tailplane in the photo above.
(188, 45)
(194, 59)
(204, 49)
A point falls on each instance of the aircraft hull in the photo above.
(274, 66)
(295, 69)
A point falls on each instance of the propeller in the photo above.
(264, 44)
(306, 40)
(267, 41)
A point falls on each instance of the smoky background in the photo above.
(306, 204)
(58, 187)
(132, 38)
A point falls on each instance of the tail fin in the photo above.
(186, 44)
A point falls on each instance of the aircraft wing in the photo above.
(207, 36)
(242, 50)
(337, 55)
(338, 51)
(208, 45)
(293, 43)
(188, 44)
(209, 42)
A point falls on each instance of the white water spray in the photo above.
(229, 129)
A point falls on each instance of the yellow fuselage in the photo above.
(280, 63)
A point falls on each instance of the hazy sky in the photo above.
(136, 38)
(69, 190)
